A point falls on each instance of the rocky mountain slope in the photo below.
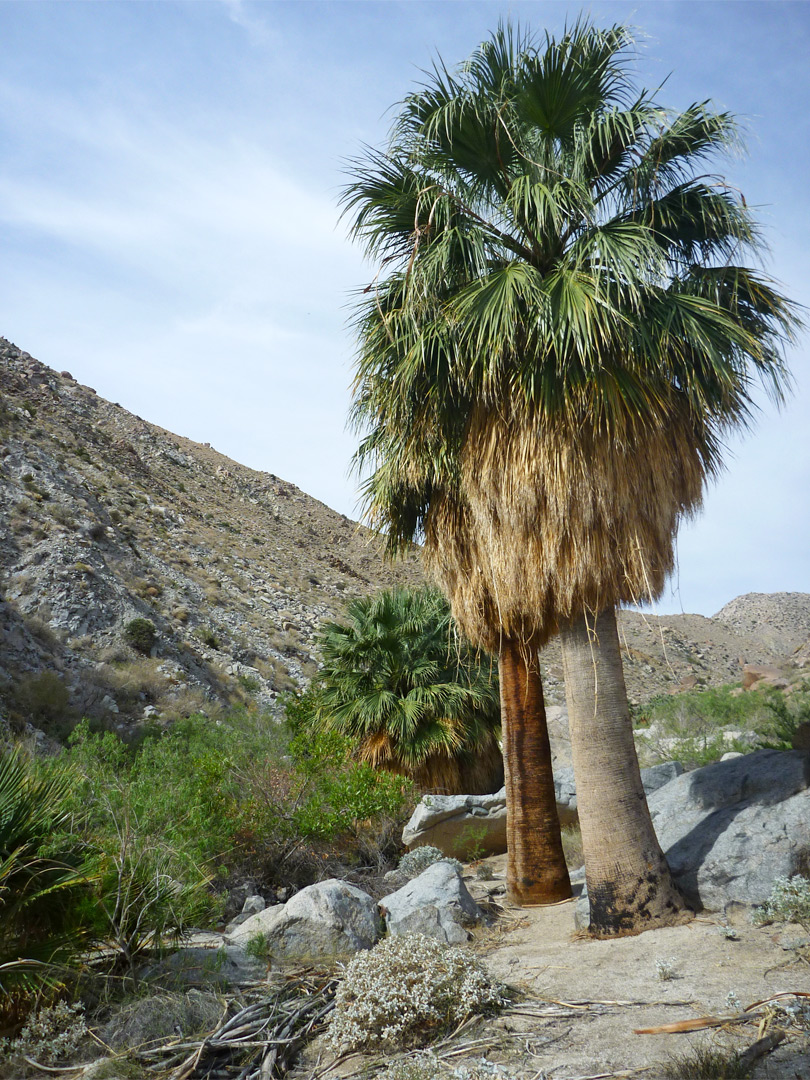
(106, 519)
(667, 653)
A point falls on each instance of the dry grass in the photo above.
(554, 521)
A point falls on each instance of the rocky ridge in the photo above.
(105, 518)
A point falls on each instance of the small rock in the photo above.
(253, 905)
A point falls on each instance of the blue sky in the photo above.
(169, 175)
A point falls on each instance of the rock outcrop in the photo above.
(459, 825)
(730, 828)
(325, 921)
(436, 904)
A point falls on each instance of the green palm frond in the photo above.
(397, 679)
(550, 246)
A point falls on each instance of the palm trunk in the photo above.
(536, 871)
(630, 887)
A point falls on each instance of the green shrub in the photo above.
(689, 727)
(44, 700)
(243, 792)
(141, 635)
(784, 718)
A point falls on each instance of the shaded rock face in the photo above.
(459, 824)
(325, 921)
(732, 827)
(436, 903)
(565, 788)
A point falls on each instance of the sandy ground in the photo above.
(584, 998)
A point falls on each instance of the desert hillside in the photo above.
(106, 518)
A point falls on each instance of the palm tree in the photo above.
(564, 333)
(398, 681)
(40, 891)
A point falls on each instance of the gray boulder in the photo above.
(565, 788)
(459, 824)
(730, 828)
(436, 903)
(322, 922)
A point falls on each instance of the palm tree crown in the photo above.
(396, 678)
(563, 331)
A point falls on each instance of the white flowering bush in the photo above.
(406, 989)
(414, 862)
(665, 967)
(50, 1034)
(789, 902)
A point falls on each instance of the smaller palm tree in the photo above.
(398, 680)
(40, 881)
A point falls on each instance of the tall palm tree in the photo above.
(562, 332)
(396, 679)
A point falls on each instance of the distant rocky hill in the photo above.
(106, 519)
(667, 653)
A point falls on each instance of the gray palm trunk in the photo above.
(630, 887)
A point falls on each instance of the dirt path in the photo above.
(580, 1000)
(539, 951)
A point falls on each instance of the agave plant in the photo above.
(398, 680)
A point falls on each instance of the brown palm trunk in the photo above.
(630, 887)
(536, 871)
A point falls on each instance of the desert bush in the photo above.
(690, 727)
(141, 634)
(51, 1034)
(152, 1019)
(705, 1063)
(44, 700)
(405, 991)
(243, 793)
(789, 902)
(414, 862)
(784, 717)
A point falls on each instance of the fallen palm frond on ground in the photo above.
(756, 1011)
(775, 1024)
(259, 1041)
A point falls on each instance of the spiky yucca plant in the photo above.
(397, 679)
(563, 330)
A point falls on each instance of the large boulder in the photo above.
(565, 788)
(325, 921)
(459, 825)
(730, 828)
(436, 903)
